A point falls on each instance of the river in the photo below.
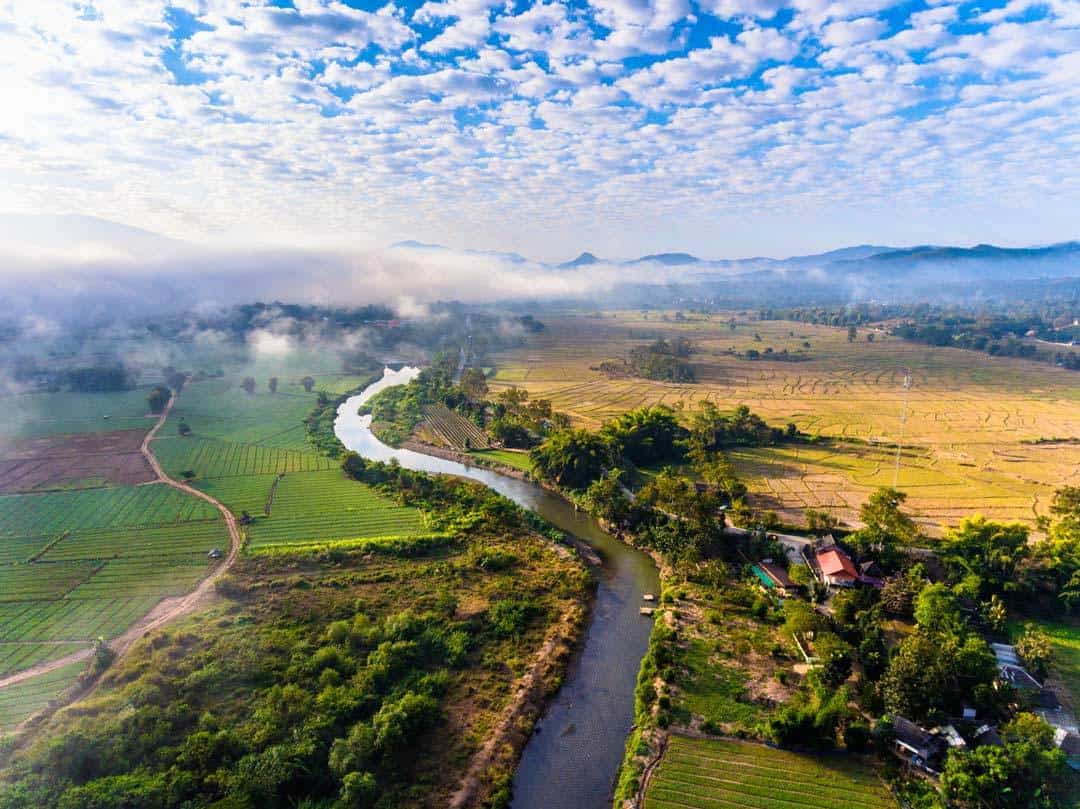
(571, 763)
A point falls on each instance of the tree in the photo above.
(852, 333)
(308, 382)
(645, 435)
(473, 384)
(158, 398)
(937, 611)
(605, 498)
(820, 522)
(989, 551)
(572, 458)
(1035, 649)
(1028, 772)
(272, 384)
(248, 384)
(882, 513)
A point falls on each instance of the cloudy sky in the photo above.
(723, 127)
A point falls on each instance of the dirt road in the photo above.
(170, 608)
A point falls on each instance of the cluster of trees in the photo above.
(520, 422)
(662, 360)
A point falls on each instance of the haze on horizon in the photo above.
(725, 128)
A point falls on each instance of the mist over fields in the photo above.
(113, 271)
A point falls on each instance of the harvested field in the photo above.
(714, 774)
(77, 461)
(972, 419)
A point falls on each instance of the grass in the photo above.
(518, 460)
(730, 658)
(1065, 637)
(708, 774)
(969, 415)
(23, 699)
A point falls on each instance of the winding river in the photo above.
(572, 761)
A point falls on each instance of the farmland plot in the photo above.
(20, 701)
(210, 458)
(453, 429)
(318, 506)
(708, 774)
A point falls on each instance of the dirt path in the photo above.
(170, 608)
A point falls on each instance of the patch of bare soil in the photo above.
(75, 461)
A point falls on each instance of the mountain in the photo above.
(583, 260)
(85, 236)
(413, 244)
(667, 259)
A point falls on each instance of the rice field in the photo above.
(74, 620)
(971, 418)
(716, 774)
(19, 701)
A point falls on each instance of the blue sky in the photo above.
(723, 127)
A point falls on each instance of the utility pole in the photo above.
(903, 421)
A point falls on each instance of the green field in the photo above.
(78, 565)
(209, 458)
(19, 701)
(713, 774)
(39, 414)
(518, 460)
(319, 506)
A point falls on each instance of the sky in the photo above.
(725, 128)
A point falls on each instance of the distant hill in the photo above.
(583, 260)
(667, 259)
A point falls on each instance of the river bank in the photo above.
(571, 762)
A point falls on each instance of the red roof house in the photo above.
(837, 569)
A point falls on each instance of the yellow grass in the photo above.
(969, 414)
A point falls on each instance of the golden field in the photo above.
(971, 418)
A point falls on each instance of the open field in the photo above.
(971, 417)
(74, 461)
(712, 774)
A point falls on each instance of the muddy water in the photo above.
(571, 763)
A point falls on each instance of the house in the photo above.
(778, 578)
(1069, 742)
(837, 569)
(917, 746)
(986, 735)
(1011, 669)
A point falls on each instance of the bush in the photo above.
(857, 737)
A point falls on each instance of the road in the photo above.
(170, 608)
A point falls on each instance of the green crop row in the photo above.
(703, 774)
(17, 656)
(72, 619)
(153, 542)
(211, 458)
(51, 513)
(23, 699)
